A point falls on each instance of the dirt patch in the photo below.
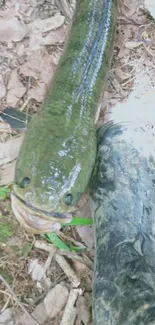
(38, 283)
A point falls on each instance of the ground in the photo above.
(40, 284)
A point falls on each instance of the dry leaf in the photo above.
(8, 155)
(53, 37)
(56, 300)
(132, 45)
(6, 316)
(122, 74)
(38, 92)
(36, 270)
(40, 314)
(84, 274)
(86, 234)
(12, 30)
(35, 67)
(15, 88)
(5, 127)
(45, 25)
(83, 311)
(2, 87)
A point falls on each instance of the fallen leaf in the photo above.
(38, 92)
(83, 311)
(36, 270)
(12, 30)
(15, 88)
(84, 274)
(86, 234)
(2, 87)
(35, 66)
(6, 316)
(40, 313)
(10, 149)
(5, 127)
(45, 25)
(55, 37)
(132, 45)
(122, 74)
(56, 300)
(8, 154)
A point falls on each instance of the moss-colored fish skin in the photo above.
(59, 149)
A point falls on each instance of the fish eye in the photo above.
(25, 182)
(68, 199)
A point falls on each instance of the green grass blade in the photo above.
(76, 221)
(55, 240)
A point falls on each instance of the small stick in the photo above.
(48, 247)
(17, 300)
(67, 270)
(48, 261)
(63, 6)
(69, 314)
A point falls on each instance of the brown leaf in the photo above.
(15, 88)
(8, 154)
(36, 270)
(2, 87)
(132, 45)
(122, 74)
(84, 274)
(86, 234)
(56, 300)
(83, 311)
(12, 30)
(45, 25)
(38, 92)
(6, 316)
(35, 67)
(55, 37)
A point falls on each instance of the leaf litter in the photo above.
(35, 275)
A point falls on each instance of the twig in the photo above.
(28, 251)
(48, 247)
(7, 302)
(152, 55)
(63, 6)
(72, 240)
(69, 314)
(67, 270)
(48, 261)
(17, 300)
(128, 81)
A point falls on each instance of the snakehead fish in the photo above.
(59, 149)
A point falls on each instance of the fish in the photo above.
(58, 154)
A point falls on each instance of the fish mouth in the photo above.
(35, 220)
